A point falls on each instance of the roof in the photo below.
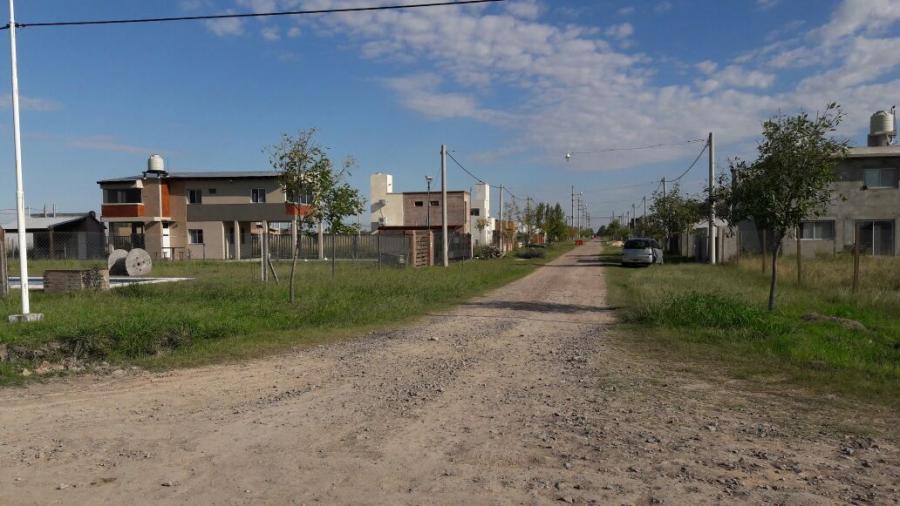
(199, 175)
(873, 151)
(44, 223)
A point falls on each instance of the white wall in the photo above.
(385, 206)
(481, 200)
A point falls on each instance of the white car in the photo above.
(641, 251)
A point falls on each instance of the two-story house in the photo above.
(866, 200)
(209, 215)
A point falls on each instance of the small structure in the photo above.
(136, 262)
(78, 236)
(75, 280)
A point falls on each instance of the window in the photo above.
(817, 230)
(195, 197)
(420, 203)
(196, 235)
(474, 212)
(306, 198)
(130, 196)
(881, 177)
(212, 191)
(258, 195)
(876, 237)
(435, 203)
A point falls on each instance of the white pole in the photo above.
(711, 232)
(500, 219)
(445, 246)
(20, 190)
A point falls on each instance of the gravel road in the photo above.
(523, 396)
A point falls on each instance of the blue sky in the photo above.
(510, 88)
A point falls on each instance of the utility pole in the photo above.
(572, 215)
(664, 187)
(711, 233)
(26, 315)
(500, 237)
(644, 216)
(444, 245)
(633, 215)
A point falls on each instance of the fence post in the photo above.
(4, 278)
(333, 252)
(856, 260)
(799, 261)
(378, 249)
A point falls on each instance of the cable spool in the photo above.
(116, 263)
(138, 263)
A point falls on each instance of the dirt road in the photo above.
(522, 396)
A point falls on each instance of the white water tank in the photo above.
(156, 164)
(882, 122)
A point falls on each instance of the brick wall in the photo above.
(75, 280)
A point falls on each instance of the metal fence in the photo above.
(460, 247)
(387, 248)
(60, 245)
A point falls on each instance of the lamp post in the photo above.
(26, 315)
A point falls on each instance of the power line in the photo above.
(247, 15)
(691, 166)
(635, 148)
(476, 178)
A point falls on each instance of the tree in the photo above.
(672, 213)
(790, 181)
(307, 176)
(555, 223)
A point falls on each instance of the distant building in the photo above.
(418, 210)
(211, 215)
(78, 236)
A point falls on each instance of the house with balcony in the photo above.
(180, 215)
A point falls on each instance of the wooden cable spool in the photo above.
(116, 263)
(138, 262)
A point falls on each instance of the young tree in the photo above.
(307, 175)
(672, 213)
(791, 178)
(555, 223)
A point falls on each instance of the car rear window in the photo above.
(637, 244)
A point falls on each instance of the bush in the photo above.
(484, 252)
(530, 253)
(710, 310)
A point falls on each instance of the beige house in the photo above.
(415, 210)
(180, 215)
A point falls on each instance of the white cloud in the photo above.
(271, 33)
(525, 9)
(225, 27)
(626, 11)
(620, 31)
(662, 7)
(294, 32)
(767, 4)
(31, 103)
(572, 90)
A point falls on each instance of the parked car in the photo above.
(641, 251)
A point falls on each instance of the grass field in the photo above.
(226, 313)
(702, 313)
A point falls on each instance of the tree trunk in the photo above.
(774, 282)
(799, 260)
(295, 247)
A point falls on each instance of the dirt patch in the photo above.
(521, 396)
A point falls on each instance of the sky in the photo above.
(510, 88)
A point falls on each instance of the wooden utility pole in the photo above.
(500, 219)
(711, 234)
(444, 246)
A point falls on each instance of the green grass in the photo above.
(225, 313)
(703, 314)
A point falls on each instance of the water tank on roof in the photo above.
(882, 122)
(156, 164)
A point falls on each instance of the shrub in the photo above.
(487, 252)
(530, 253)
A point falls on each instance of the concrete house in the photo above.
(404, 211)
(210, 215)
(865, 204)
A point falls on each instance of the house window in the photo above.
(876, 237)
(420, 203)
(196, 235)
(881, 177)
(258, 195)
(195, 196)
(435, 203)
(212, 191)
(130, 196)
(474, 212)
(306, 198)
(817, 230)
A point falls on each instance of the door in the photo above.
(876, 237)
(166, 241)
